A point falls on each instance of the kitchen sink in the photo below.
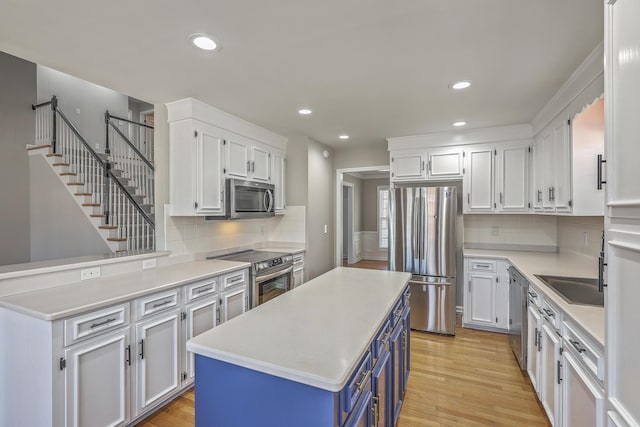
(575, 290)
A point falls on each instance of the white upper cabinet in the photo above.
(445, 163)
(478, 180)
(208, 146)
(537, 180)
(426, 164)
(512, 178)
(408, 165)
(551, 163)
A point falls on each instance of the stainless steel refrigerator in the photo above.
(422, 241)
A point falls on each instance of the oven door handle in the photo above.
(270, 276)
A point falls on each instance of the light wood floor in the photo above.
(366, 263)
(469, 380)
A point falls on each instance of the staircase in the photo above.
(115, 189)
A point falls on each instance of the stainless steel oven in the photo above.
(271, 273)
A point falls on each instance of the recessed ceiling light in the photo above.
(343, 136)
(204, 42)
(458, 124)
(304, 111)
(461, 85)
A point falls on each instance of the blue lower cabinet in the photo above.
(406, 367)
(361, 415)
(381, 390)
(397, 360)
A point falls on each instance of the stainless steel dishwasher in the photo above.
(518, 289)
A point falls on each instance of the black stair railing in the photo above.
(95, 175)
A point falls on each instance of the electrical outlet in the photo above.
(90, 273)
(78, 111)
(495, 230)
(97, 146)
(148, 263)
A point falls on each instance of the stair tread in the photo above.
(75, 183)
(68, 174)
(37, 147)
(91, 204)
(60, 164)
(108, 227)
(117, 239)
(54, 155)
(82, 194)
(97, 215)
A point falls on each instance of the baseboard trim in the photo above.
(459, 309)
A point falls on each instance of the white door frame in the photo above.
(338, 210)
(349, 211)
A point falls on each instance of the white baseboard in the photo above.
(459, 309)
(376, 258)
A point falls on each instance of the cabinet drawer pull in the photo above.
(160, 304)
(363, 381)
(549, 313)
(398, 312)
(106, 322)
(236, 280)
(385, 338)
(577, 346)
(200, 291)
(533, 294)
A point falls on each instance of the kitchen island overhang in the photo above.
(307, 357)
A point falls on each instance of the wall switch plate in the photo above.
(98, 146)
(326, 229)
(78, 111)
(148, 263)
(495, 230)
(586, 238)
(90, 273)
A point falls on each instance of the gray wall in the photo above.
(370, 202)
(92, 100)
(357, 201)
(161, 165)
(59, 227)
(356, 157)
(320, 211)
(17, 129)
(297, 170)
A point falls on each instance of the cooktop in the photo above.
(252, 256)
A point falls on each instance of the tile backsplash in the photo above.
(523, 230)
(184, 235)
(580, 234)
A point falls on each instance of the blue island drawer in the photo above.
(380, 342)
(357, 384)
(396, 313)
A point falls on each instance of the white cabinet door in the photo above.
(534, 324)
(537, 182)
(158, 351)
(445, 164)
(260, 164)
(512, 178)
(562, 157)
(482, 299)
(550, 365)
(623, 318)
(210, 180)
(583, 400)
(478, 180)
(408, 165)
(201, 317)
(97, 381)
(278, 181)
(235, 301)
(622, 105)
(298, 276)
(548, 171)
(237, 158)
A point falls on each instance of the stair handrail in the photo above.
(129, 143)
(131, 199)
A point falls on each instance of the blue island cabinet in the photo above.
(228, 395)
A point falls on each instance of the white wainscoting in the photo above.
(357, 246)
(370, 247)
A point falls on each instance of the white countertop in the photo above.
(590, 318)
(68, 300)
(314, 334)
(292, 249)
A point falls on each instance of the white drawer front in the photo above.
(552, 314)
(201, 289)
(298, 259)
(157, 302)
(234, 279)
(95, 323)
(482, 265)
(590, 353)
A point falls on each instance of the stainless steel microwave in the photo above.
(247, 199)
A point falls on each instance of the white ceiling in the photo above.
(369, 68)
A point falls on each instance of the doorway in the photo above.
(347, 223)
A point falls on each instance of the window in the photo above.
(383, 217)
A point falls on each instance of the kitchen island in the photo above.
(332, 352)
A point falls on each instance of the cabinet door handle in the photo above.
(128, 350)
(501, 199)
(248, 166)
(539, 195)
(601, 265)
(253, 166)
(141, 354)
(550, 196)
(540, 341)
(469, 199)
(600, 180)
(535, 343)
(422, 166)
(559, 368)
